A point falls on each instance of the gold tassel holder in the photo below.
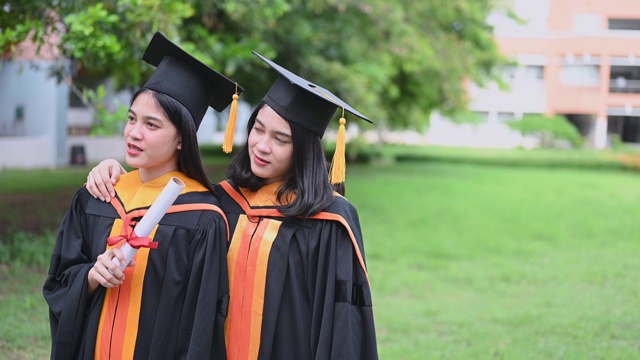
(229, 134)
(338, 164)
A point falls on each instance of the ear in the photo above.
(179, 147)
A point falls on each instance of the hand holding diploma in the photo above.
(138, 237)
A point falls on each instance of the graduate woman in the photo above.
(171, 301)
(299, 282)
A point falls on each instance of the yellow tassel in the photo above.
(230, 132)
(338, 165)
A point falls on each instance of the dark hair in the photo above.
(307, 180)
(340, 188)
(189, 160)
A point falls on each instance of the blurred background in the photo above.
(486, 73)
(497, 187)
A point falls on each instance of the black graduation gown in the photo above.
(299, 287)
(181, 309)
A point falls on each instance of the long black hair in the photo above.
(308, 179)
(189, 160)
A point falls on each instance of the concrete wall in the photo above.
(32, 105)
(97, 148)
(21, 152)
(25, 152)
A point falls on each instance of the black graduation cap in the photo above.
(303, 102)
(186, 79)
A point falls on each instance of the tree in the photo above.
(397, 61)
(547, 129)
(394, 61)
(101, 38)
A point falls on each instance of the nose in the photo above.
(134, 130)
(263, 145)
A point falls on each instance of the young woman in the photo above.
(171, 302)
(299, 283)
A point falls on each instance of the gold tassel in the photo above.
(227, 144)
(338, 164)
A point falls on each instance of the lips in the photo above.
(259, 161)
(133, 149)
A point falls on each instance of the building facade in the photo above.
(577, 58)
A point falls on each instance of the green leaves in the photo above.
(547, 129)
(108, 118)
(394, 61)
(91, 36)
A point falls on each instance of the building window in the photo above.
(624, 24)
(504, 117)
(581, 75)
(533, 73)
(479, 117)
(625, 79)
(525, 73)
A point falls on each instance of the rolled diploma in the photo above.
(152, 217)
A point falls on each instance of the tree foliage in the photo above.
(548, 129)
(394, 61)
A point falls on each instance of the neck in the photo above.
(148, 174)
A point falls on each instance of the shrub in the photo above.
(215, 150)
(547, 129)
(357, 150)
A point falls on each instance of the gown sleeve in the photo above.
(342, 308)
(65, 287)
(207, 297)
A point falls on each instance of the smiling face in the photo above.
(152, 142)
(270, 146)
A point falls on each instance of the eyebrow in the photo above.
(147, 117)
(277, 132)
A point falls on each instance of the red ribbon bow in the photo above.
(130, 236)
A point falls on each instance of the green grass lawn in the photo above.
(466, 262)
(24, 329)
(486, 262)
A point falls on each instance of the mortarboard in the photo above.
(310, 106)
(186, 79)
(303, 102)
